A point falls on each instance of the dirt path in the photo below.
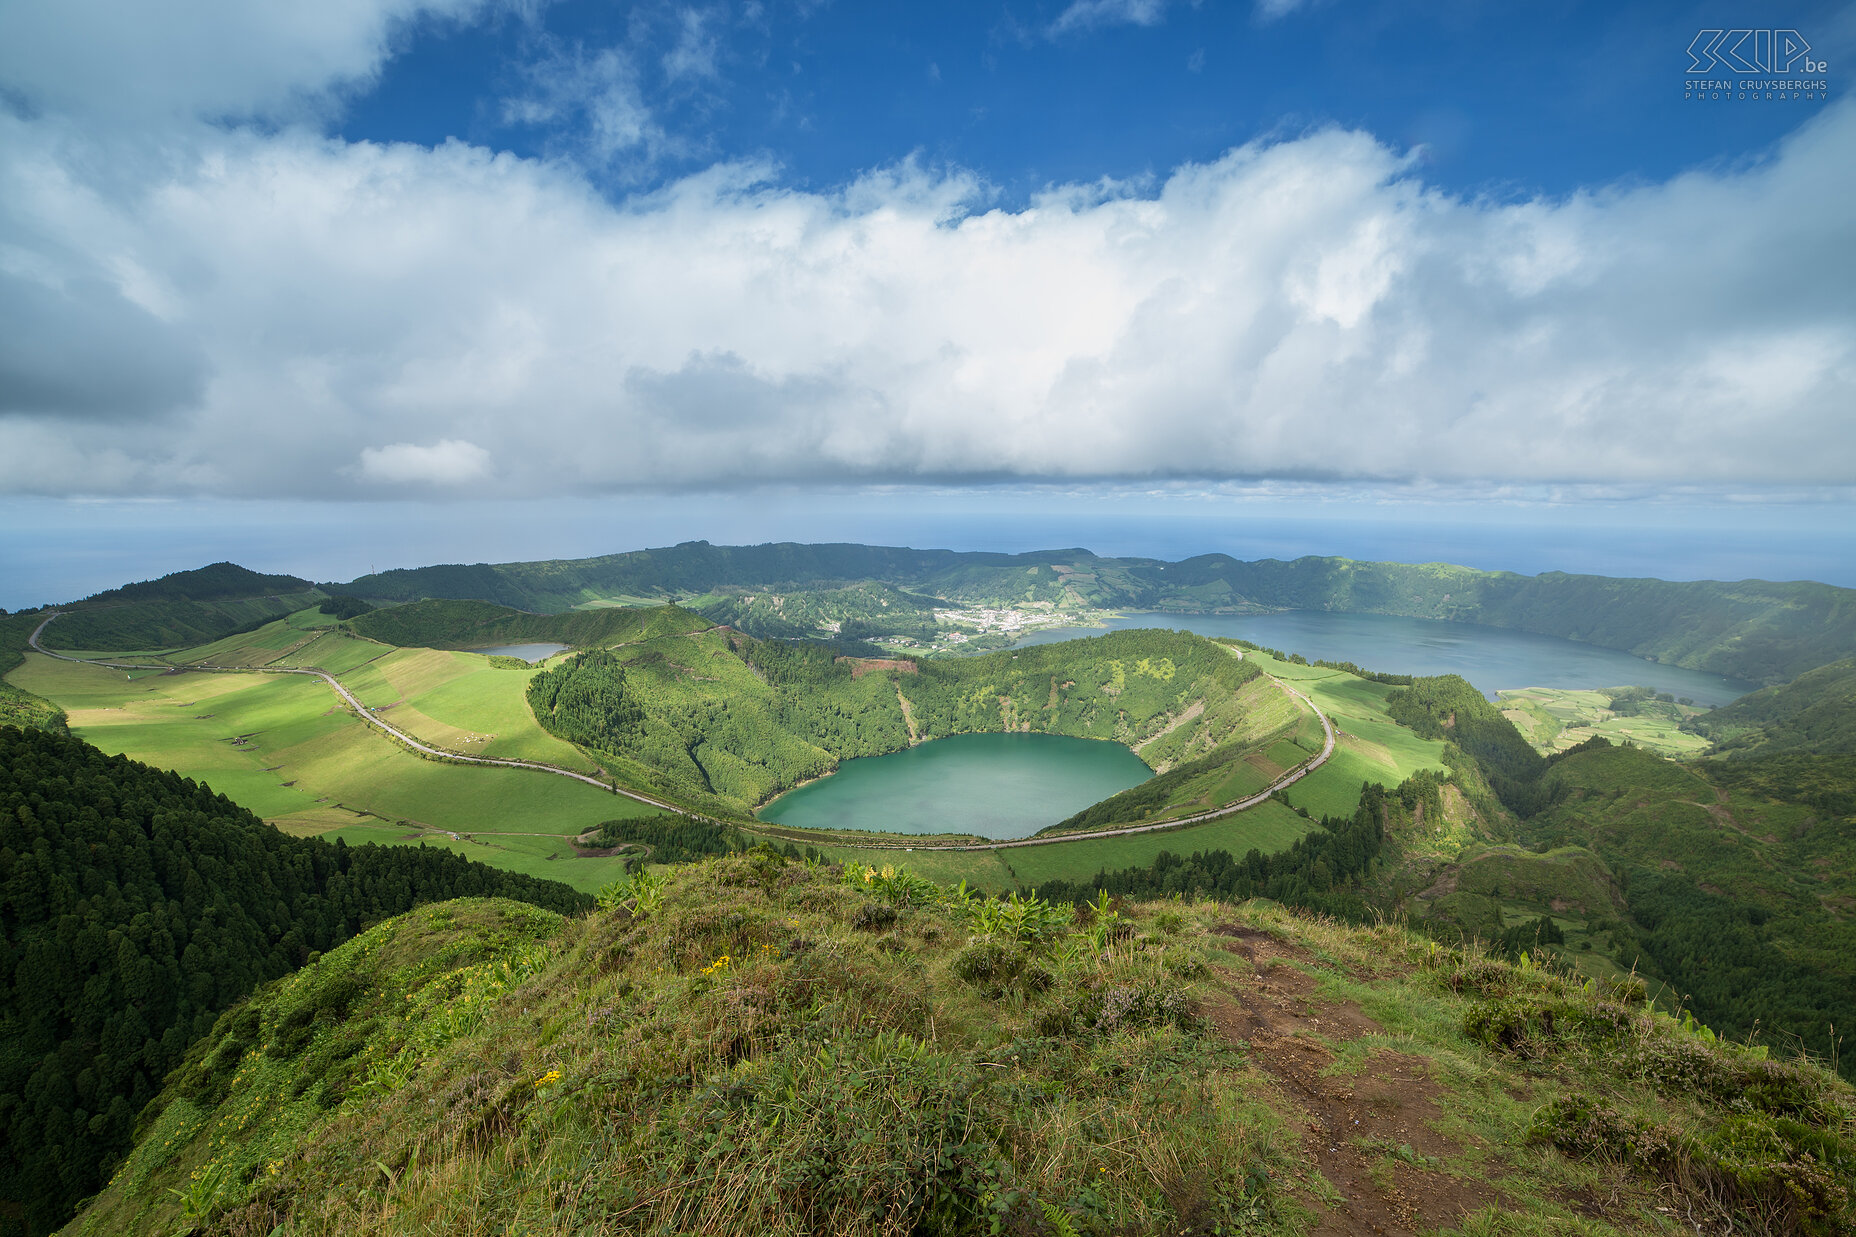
(1373, 1136)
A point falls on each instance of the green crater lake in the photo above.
(996, 785)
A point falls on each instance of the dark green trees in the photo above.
(135, 905)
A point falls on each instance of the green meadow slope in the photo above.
(755, 1046)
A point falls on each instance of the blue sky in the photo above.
(1504, 99)
(1277, 277)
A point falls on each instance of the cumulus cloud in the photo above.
(450, 461)
(136, 63)
(274, 312)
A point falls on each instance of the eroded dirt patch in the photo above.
(1373, 1136)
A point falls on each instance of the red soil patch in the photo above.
(860, 666)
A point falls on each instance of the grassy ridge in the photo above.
(18, 706)
(137, 906)
(761, 1047)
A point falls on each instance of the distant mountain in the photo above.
(1752, 629)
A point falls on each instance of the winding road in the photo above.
(367, 715)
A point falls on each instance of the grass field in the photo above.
(459, 701)
(282, 746)
(1269, 827)
(1368, 747)
(535, 854)
(1554, 719)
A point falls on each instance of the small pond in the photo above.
(996, 785)
(527, 652)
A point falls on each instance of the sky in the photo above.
(387, 282)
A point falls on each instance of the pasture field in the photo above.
(284, 747)
(1368, 746)
(536, 854)
(461, 702)
(1269, 827)
(247, 648)
(1554, 719)
(334, 652)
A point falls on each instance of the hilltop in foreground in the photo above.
(752, 1045)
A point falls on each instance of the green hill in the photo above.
(451, 624)
(1815, 712)
(1740, 889)
(1750, 629)
(757, 1046)
(136, 905)
(723, 721)
(216, 582)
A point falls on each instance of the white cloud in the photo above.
(141, 63)
(449, 461)
(1084, 15)
(595, 93)
(258, 312)
(692, 56)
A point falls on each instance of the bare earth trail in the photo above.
(371, 718)
(1373, 1136)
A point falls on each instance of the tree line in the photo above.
(136, 905)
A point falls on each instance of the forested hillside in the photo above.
(1815, 712)
(1329, 871)
(1750, 629)
(854, 612)
(1741, 889)
(448, 624)
(137, 905)
(1733, 881)
(216, 582)
(722, 717)
(17, 706)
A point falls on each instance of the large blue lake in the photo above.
(1490, 657)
